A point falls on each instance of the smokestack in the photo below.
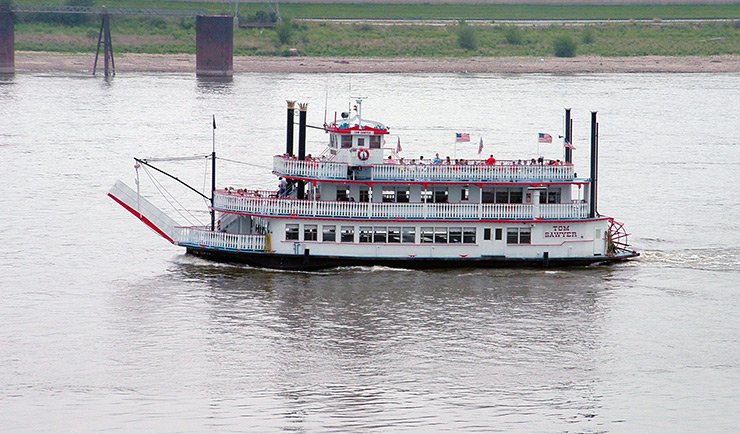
(302, 145)
(302, 131)
(568, 136)
(594, 164)
(289, 136)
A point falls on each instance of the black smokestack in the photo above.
(289, 136)
(594, 164)
(302, 145)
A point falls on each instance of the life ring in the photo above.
(363, 154)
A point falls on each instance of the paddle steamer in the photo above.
(360, 203)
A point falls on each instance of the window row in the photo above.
(443, 195)
(406, 234)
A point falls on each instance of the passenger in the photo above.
(437, 161)
(282, 185)
(491, 161)
(448, 161)
(421, 159)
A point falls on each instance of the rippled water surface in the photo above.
(106, 327)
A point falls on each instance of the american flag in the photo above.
(544, 138)
(462, 137)
(480, 147)
(569, 145)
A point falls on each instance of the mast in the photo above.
(213, 177)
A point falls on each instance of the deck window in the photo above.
(380, 234)
(427, 235)
(499, 234)
(469, 235)
(366, 234)
(394, 234)
(348, 234)
(465, 194)
(364, 194)
(346, 141)
(487, 195)
(455, 235)
(508, 195)
(291, 232)
(402, 194)
(440, 235)
(441, 195)
(550, 196)
(329, 233)
(487, 234)
(374, 142)
(409, 235)
(389, 195)
(342, 193)
(518, 235)
(310, 233)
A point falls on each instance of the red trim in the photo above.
(142, 218)
(481, 183)
(295, 217)
(335, 129)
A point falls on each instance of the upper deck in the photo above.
(424, 171)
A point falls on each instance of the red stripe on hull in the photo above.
(142, 218)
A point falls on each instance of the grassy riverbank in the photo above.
(364, 40)
(169, 35)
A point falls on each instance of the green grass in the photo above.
(323, 39)
(177, 35)
(441, 11)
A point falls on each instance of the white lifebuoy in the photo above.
(363, 154)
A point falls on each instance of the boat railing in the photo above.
(472, 172)
(202, 236)
(421, 171)
(576, 210)
(309, 168)
(395, 210)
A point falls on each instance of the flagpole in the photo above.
(213, 176)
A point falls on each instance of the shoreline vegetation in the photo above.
(307, 40)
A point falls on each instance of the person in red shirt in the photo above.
(491, 161)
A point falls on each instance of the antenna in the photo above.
(326, 103)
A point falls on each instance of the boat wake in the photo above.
(720, 259)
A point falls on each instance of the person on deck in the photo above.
(491, 161)
(437, 160)
(282, 185)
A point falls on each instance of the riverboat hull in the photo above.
(308, 262)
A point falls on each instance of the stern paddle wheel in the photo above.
(617, 241)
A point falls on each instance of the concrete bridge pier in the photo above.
(214, 46)
(7, 42)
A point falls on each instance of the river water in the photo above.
(106, 327)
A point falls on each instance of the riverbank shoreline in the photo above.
(48, 62)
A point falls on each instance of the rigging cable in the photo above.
(157, 186)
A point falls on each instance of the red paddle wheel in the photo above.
(617, 237)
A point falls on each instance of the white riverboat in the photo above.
(362, 203)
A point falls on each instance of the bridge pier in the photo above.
(7, 42)
(214, 45)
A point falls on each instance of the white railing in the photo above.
(200, 236)
(309, 169)
(474, 171)
(383, 211)
(564, 210)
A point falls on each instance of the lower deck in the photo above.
(303, 244)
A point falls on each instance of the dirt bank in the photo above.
(35, 62)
